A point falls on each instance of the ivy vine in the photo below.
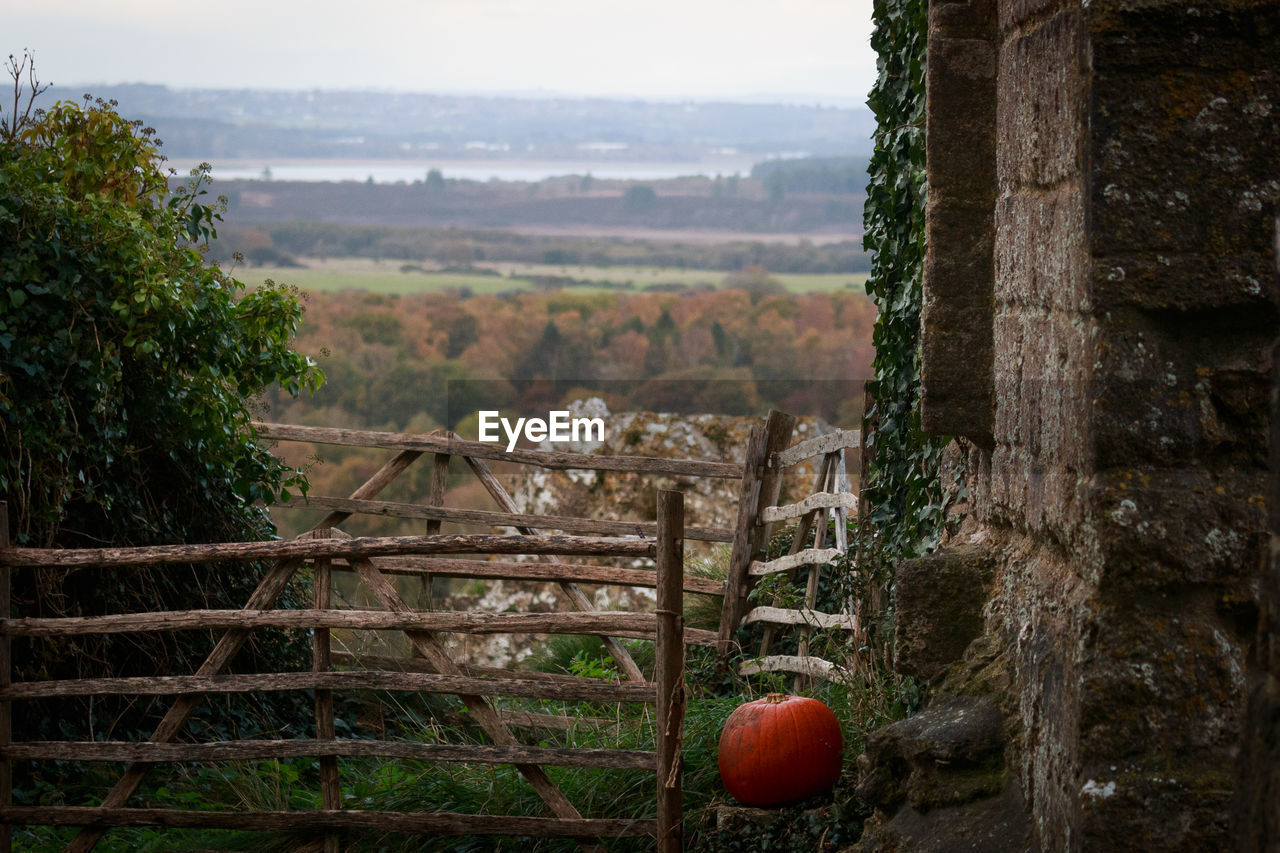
(903, 489)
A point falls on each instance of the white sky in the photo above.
(655, 48)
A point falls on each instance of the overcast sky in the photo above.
(655, 48)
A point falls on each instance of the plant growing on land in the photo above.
(127, 367)
(904, 487)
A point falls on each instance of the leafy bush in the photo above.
(126, 369)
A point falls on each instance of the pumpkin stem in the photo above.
(776, 698)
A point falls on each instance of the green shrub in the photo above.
(127, 366)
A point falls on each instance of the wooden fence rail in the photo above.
(432, 672)
(455, 446)
(427, 823)
(605, 575)
(468, 621)
(369, 546)
(618, 759)
(486, 518)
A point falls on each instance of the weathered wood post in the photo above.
(760, 487)
(322, 661)
(435, 497)
(669, 668)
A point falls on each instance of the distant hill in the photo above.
(223, 124)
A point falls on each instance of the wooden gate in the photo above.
(326, 549)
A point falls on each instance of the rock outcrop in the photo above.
(618, 496)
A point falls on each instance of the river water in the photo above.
(408, 171)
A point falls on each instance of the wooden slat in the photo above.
(779, 427)
(842, 484)
(178, 685)
(617, 759)
(831, 465)
(814, 667)
(489, 450)
(604, 622)
(369, 546)
(823, 500)
(460, 568)
(798, 539)
(807, 557)
(700, 637)
(806, 523)
(435, 498)
(433, 823)
(811, 595)
(488, 518)
(783, 616)
(817, 446)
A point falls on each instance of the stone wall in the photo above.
(1121, 488)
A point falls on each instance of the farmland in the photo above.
(331, 275)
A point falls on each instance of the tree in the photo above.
(543, 360)
(731, 185)
(775, 184)
(127, 367)
(754, 279)
(639, 199)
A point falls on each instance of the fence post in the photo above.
(669, 668)
(435, 497)
(759, 489)
(322, 661)
(6, 678)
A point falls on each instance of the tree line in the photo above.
(430, 359)
(271, 243)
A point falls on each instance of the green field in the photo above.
(334, 274)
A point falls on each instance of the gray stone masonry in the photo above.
(1101, 311)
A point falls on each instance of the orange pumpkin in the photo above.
(780, 750)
